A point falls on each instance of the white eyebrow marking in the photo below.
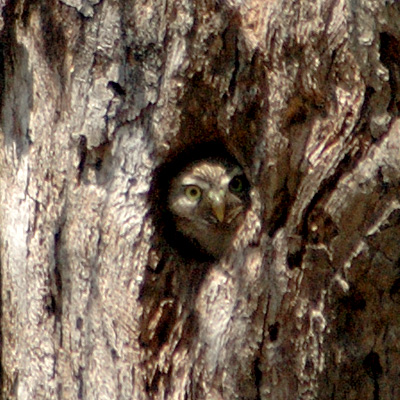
(235, 171)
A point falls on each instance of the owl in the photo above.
(207, 201)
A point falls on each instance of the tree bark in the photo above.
(99, 99)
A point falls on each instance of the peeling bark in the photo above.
(98, 101)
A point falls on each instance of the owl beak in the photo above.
(219, 210)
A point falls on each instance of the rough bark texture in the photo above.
(97, 101)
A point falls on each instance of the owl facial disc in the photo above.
(207, 201)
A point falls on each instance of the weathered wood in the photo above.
(97, 101)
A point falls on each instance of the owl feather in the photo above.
(207, 200)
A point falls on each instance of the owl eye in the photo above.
(193, 192)
(236, 185)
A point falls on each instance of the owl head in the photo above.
(207, 201)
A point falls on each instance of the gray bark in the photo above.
(98, 97)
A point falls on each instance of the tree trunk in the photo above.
(98, 101)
